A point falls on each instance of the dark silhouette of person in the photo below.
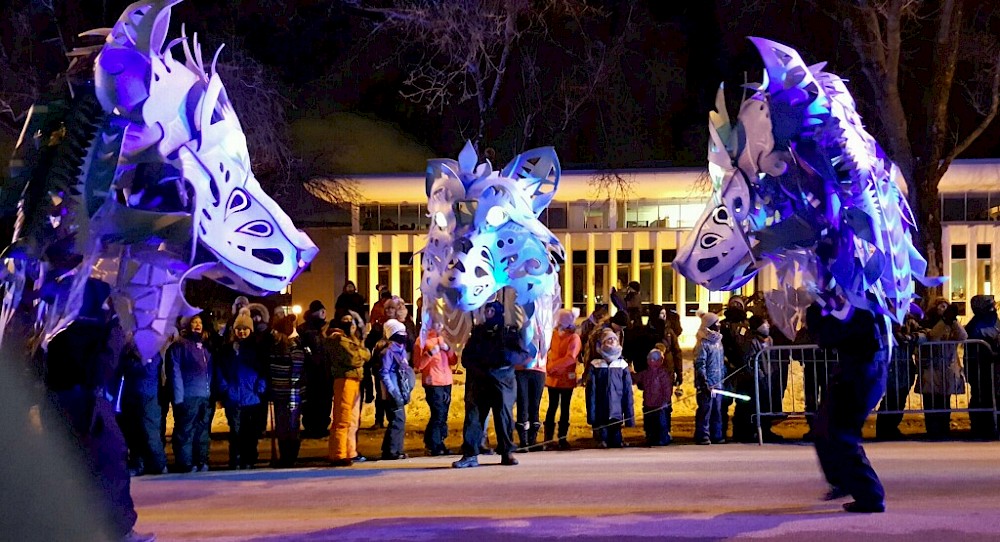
(490, 386)
(856, 385)
(79, 368)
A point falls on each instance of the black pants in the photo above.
(319, 402)
(744, 426)
(901, 373)
(816, 374)
(380, 411)
(392, 442)
(439, 402)
(192, 429)
(559, 399)
(656, 424)
(91, 426)
(937, 424)
(887, 425)
(244, 432)
(140, 424)
(287, 419)
(494, 391)
(529, 399)
(982, 380)
(850, 396)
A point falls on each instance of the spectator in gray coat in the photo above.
(709, 373)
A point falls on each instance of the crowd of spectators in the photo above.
(310, 380)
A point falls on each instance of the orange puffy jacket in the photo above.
(560, 364)
(434, 367)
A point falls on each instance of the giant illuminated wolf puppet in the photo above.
(798, 182)
(485, 235)
(138, 174)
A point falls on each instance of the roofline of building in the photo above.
(969, 175)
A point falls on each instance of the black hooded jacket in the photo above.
(489, 344)
(87, 352)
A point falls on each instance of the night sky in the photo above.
(653, 110)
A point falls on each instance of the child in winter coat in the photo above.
(242, 383)
(434, 360)
(288, 387)
(347, 359)
(657, 384)
(560, 374)
(609, 392)
(395, 397)
(709, 372)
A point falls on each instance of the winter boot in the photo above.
(550, 431)
(288, 450)
(563, 431)
(522, 436)
(533, 437)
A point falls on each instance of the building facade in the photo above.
(610, 241)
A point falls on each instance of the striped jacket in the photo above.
(287, 371)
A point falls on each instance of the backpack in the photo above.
(406, 380)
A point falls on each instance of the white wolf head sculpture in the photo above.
(798, 182)
(179, 115)
(144, 180)
(485, 235)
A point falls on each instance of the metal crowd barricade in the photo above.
(938, 377)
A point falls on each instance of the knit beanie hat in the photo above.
(243, 319)
(982, 304)
(709, 319)
(565, 319)
(285, 325)
(316, 306)
(392, 327)
(239, 303)
(756, 322)
(654, 355)
(344, 324)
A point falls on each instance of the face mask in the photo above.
(764, 330)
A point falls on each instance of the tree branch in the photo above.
(990, 115)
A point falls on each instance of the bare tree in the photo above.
(335, 189)
(19, 86)
(459, 51)
(925, 142)
(611, 185)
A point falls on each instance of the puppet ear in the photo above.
(441, 171)
(783, 65)
(537, 172)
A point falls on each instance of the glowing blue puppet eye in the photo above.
(440, 220)
(496, 217)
